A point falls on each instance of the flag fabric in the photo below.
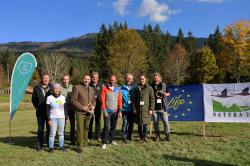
(21, 76)
(227, 102)
(185, 103)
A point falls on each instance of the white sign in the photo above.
(227, 102)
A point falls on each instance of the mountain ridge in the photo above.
(83, 43)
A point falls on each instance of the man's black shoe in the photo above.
(167, 137)
(78, 150)
(51, 150)
(62, 149)
(125, 141)
(157, 138)
(39, 148)
(145, 140)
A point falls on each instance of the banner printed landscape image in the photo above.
(227, 102)
(228, 99)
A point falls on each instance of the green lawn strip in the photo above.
(226, 143)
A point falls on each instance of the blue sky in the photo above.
(53, 20)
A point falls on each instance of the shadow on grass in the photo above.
(22, 141)
(31, 141)
(195, 134)
(196, 162)
(186, 133)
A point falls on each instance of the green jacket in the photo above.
(143, 101)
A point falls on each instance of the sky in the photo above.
(55, 20)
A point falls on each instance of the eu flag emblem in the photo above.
(185, 103)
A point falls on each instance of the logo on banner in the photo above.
(182, 98)
(230, 103)
(25, 67)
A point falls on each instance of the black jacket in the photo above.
(98, 89)
(39, 99)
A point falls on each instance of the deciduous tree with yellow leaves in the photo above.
(237, 44)
(128, 54)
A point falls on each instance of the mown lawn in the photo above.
(226, 144)
(6, 98)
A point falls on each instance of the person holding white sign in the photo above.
(161, 107)
(143, 106)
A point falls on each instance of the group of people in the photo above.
(84, 104)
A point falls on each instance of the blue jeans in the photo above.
(161, 115)
(57, 123)
(127, 124)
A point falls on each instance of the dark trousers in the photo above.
(72, 120)
(97, 119)
(109, 127)
(41, 121)
(143, 129)
(127, 124)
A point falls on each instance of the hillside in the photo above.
(83, 44)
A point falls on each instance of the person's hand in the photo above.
(119, 115)
(92, 107)
(106, 114)
(134, 111)
(166, 94)
(150, 112)
(50, 122)
(84, 108)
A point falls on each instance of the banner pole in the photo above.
(10, 138)
(204, 130)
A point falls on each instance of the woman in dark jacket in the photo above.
(143, 104)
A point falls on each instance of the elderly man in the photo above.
(128, 91)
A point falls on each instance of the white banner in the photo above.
(227, 102)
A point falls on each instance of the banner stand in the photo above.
(204, 130)
(21, 75)
(10, 138)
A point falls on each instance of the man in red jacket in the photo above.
(111, 106)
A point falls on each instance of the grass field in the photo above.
(6, 98)
(226, 144)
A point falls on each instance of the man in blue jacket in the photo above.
(127, 112)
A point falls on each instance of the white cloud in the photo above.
(120, 6)
(157, 12)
